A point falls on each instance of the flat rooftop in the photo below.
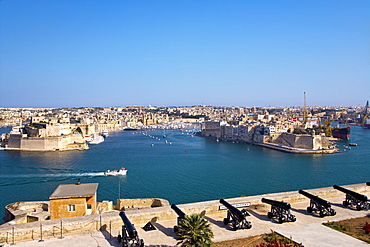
(74, 191)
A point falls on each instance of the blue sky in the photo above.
(75, 53)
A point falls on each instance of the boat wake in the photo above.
(53, 175)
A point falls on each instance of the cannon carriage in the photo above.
(318, 205)
(180, 216)
(236, 217)
(279, 210)
(129, 235)
(354, 199)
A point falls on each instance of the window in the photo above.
(89, 206)
(71, 208)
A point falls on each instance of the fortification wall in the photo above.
(42, 143)
(124, 204)
(74, 141)
(19, 212)
(14, 141)
(303, 141)
(111, 221)
(299, 141)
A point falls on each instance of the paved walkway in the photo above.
(308, 230)
(320, 235)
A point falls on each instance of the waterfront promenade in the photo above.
(308, 228)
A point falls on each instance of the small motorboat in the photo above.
(119, 172)
(352, 144)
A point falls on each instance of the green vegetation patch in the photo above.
(272, 239)
(337, 226)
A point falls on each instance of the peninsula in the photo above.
(289, 129)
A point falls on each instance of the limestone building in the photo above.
(71, 200)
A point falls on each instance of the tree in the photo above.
(194, 230)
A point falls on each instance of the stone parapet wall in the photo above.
(18, 211)
(111, 222)
(124, 204)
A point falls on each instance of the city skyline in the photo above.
(242, 53)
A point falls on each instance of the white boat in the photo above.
(129, 128)
(96, 139)
(105, 133)
(88, 138)
(119, 172)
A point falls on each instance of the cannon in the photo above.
(279, 210)
(181, 215)
(236, 217)
(318, 205)
(354, 199)
(129, 234)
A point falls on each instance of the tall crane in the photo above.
(305, 109)
(327, 125)
(365, 113)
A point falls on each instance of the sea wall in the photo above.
(68, 142)
(112, 223)
(297, 141)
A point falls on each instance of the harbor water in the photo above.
(181, 168)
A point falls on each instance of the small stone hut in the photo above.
(71, 200)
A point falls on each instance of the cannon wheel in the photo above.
(345, 203)
(321, 214)
(309, 209)
(293, 218)
(226, 221)
(119, 238)
(175, 228)
(358, 207)
(234, 227)
(332, 212)
(281, 219)
(125, 244)
(270, 215)
(141, 243)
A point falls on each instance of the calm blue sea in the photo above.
(191, 169)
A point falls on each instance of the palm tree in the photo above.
(193, 230)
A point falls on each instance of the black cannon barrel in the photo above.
(352, 193)
(368, 183)
(317, 199)
(130, 227)
(180, 213)
(283, 205)
(233, 209)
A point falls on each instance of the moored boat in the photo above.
(342, 133)
(366, 124)
(96, 139)
(129, 129)
(105, 133)
(88, 138)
